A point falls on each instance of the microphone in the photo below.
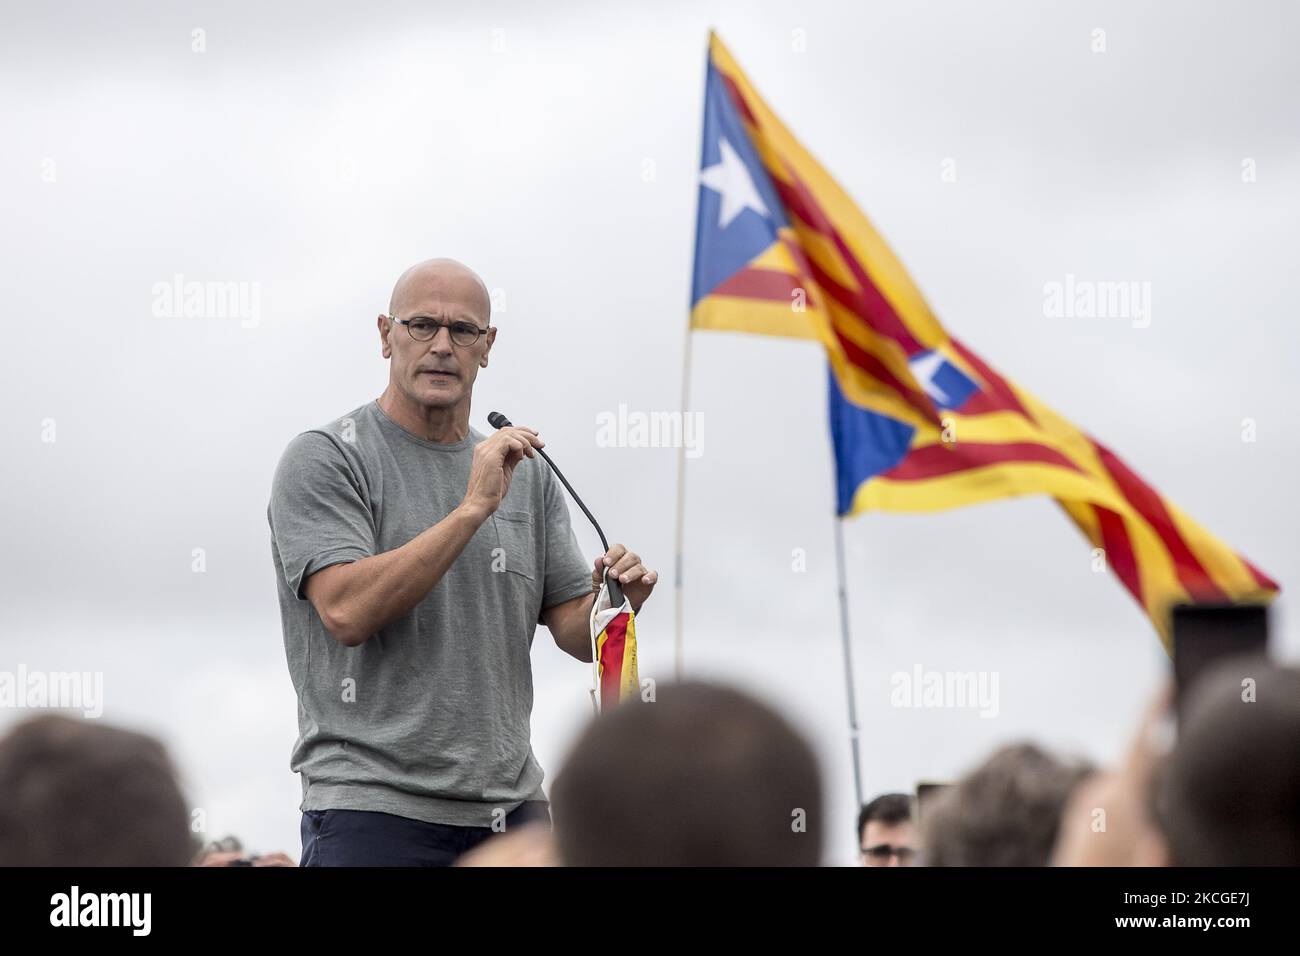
(497, 420)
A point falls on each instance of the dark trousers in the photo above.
(368, 838)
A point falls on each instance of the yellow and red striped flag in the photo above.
(919, 421)
(613, 649)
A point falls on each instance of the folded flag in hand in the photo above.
(613, 649)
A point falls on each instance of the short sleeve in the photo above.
(319, 515)
(568, 575)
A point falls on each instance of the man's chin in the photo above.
(439, 395)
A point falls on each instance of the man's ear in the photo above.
(385, 326)
(491, 337)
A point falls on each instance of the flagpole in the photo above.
(848, 658)
(681, 508)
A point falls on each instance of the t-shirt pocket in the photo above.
(516, 538)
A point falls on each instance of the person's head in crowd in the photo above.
(1006, 812)
(1229, 793)
(230, 851)
(82, 793)
(703, 776)
(1107, 820)
(887, 831)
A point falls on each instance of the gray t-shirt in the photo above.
(429, 718)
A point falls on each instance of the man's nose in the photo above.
(440, 344)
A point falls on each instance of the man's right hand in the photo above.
(494, 463)
(356, 600)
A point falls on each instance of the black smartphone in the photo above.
(1206, 633)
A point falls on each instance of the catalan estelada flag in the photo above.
(613, 649)
(919, 422)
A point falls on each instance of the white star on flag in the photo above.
(924, 368)
(730, 179)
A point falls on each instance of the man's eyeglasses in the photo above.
(424, 329)
(883, 851)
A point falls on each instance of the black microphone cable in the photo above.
(497, 420)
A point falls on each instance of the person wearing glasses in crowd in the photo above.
(887, 831)
(415, 557)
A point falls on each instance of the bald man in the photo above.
(415, 558)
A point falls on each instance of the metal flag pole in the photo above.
(848, 658)
(679, 665)
(681, 509)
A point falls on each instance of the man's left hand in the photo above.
(625, 566)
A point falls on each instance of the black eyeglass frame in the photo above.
(884, 850)
(438, 325)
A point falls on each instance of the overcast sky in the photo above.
(315, 150)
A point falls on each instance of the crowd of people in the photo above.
(710, 776)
